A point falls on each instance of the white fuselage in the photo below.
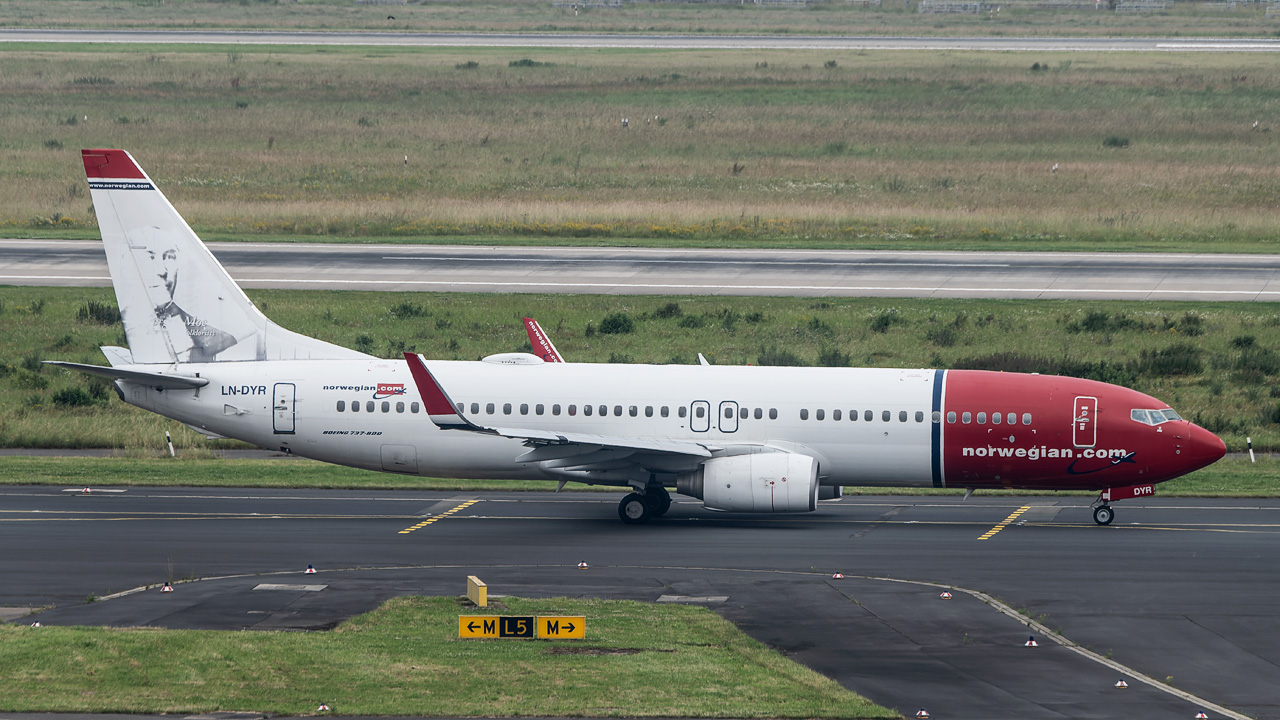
(305, 407)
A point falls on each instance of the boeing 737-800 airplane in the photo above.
(741, 439)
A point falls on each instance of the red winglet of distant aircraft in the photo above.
(541, 344)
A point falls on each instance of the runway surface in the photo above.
(670, 271)
(1177, 589)
(666, 42)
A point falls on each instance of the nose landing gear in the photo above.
(1103, 514)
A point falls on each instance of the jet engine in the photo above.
(763, 482)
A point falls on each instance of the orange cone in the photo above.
(1120, 684)
(922, 714)
(583, 565)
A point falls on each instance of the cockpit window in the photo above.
(1154, 417)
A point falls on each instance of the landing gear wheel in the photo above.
(634, 510)
(1103, 514)
(659, 500)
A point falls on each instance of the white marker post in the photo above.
(170, 441)
(1250, 441)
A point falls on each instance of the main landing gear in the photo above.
(637, 508)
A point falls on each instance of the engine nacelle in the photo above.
(763, 482)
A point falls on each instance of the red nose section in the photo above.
(1203, 448)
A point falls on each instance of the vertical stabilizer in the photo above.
(177, 302)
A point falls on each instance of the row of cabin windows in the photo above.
(996, 418)
(868, 415)
(618, 410)
(371, 406)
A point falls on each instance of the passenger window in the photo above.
(506, 408)
(587, 410)
(368, 406)
(728, 413)
(1026, 418)
(413, 407)
(665, 412)
(965, 418)
(742, 413)
(853, 416)
(555, 409)
(804, 414)
(937, 416)
(982, 418)
(400, 407)
(539, 409)
(617, 410)
(835, 414)
(821, 414)
(759, 413)
(902, 416)
(524, 408)
(868, 416)
(633, 411)
(604, 410)
(683, 411)
(475, 408)
(573, 410)
(995, 418)
(700, 411)
(951, 416)
(355, 406)
(884, 416)
(773, 413)
(488, 409)
(342, 406)
(648, 411)
(1012, 418)
(919, 416)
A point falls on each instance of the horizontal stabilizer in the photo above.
(142, 377)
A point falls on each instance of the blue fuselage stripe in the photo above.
(935, 445)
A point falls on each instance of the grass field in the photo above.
(848, 149)
(1216, 363)
(825, 17)
(405, 659)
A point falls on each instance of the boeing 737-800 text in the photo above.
(741, 439)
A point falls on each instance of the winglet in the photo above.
(442, 410)
(541, 344)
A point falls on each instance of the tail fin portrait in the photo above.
(177, 302)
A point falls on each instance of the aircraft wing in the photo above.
(564, 451)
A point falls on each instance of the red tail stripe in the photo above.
(433, 398)
(110, 165)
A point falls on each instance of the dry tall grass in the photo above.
(718, 144)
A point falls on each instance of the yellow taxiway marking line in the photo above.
(441, 516)
(1004, 523)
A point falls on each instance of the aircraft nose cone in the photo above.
(1203, 447)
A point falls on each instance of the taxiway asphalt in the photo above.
(1177, 588)
(676, 271)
